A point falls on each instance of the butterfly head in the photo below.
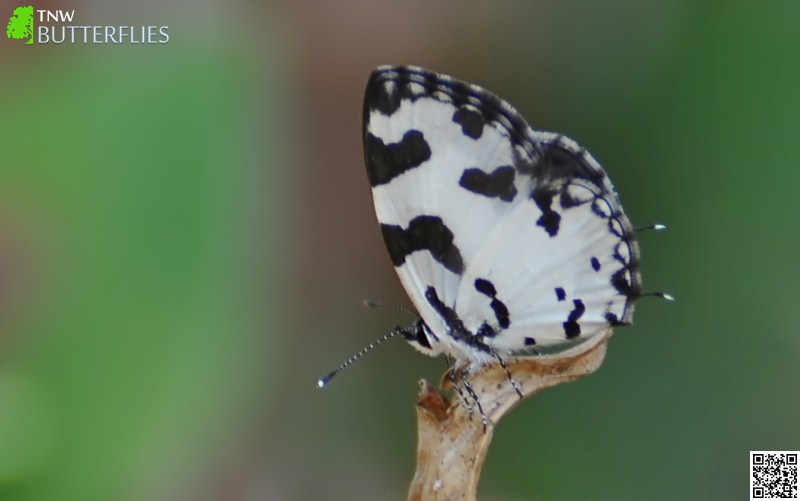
(420, 336)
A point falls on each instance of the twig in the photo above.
(452, 442)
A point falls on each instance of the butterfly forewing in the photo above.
(503, 237)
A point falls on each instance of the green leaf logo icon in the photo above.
(20, 26)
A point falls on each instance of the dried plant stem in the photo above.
(452, 442)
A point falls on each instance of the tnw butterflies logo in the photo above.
(62, 27)
(20, 25)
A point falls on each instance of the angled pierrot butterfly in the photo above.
(508, 239)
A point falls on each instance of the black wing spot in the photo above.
(560, 294)
(568, 201)
(550, 219)
(471, 122)
(497, 184)
(560, 163)
(595, 264)
(571, 327)
(485, 330)
(387, 161)
(529, 341)
(621, 281)
(612, 319)
(485, 287)
(423, 233)
(501, 313)
(448, 314)
(499, 308)
(385, 96)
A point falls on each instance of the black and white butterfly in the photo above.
(506, 238)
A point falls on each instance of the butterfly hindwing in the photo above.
(562, 264)
(488, 222)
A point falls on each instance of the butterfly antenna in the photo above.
(666, 296)
(652, 227)
(323, 381)
(375, 304)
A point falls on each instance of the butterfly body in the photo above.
(507, 239)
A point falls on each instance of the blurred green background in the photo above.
(186, 235)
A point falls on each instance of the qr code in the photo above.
(773, 474)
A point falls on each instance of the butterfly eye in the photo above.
(417, 336)
(422, 337)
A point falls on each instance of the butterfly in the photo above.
(508, 240)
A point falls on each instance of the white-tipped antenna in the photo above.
(375, 304)
(652, 227)
(323, 381)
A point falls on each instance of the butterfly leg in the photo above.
(452, 377)
(511, 379)
(474, 397)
